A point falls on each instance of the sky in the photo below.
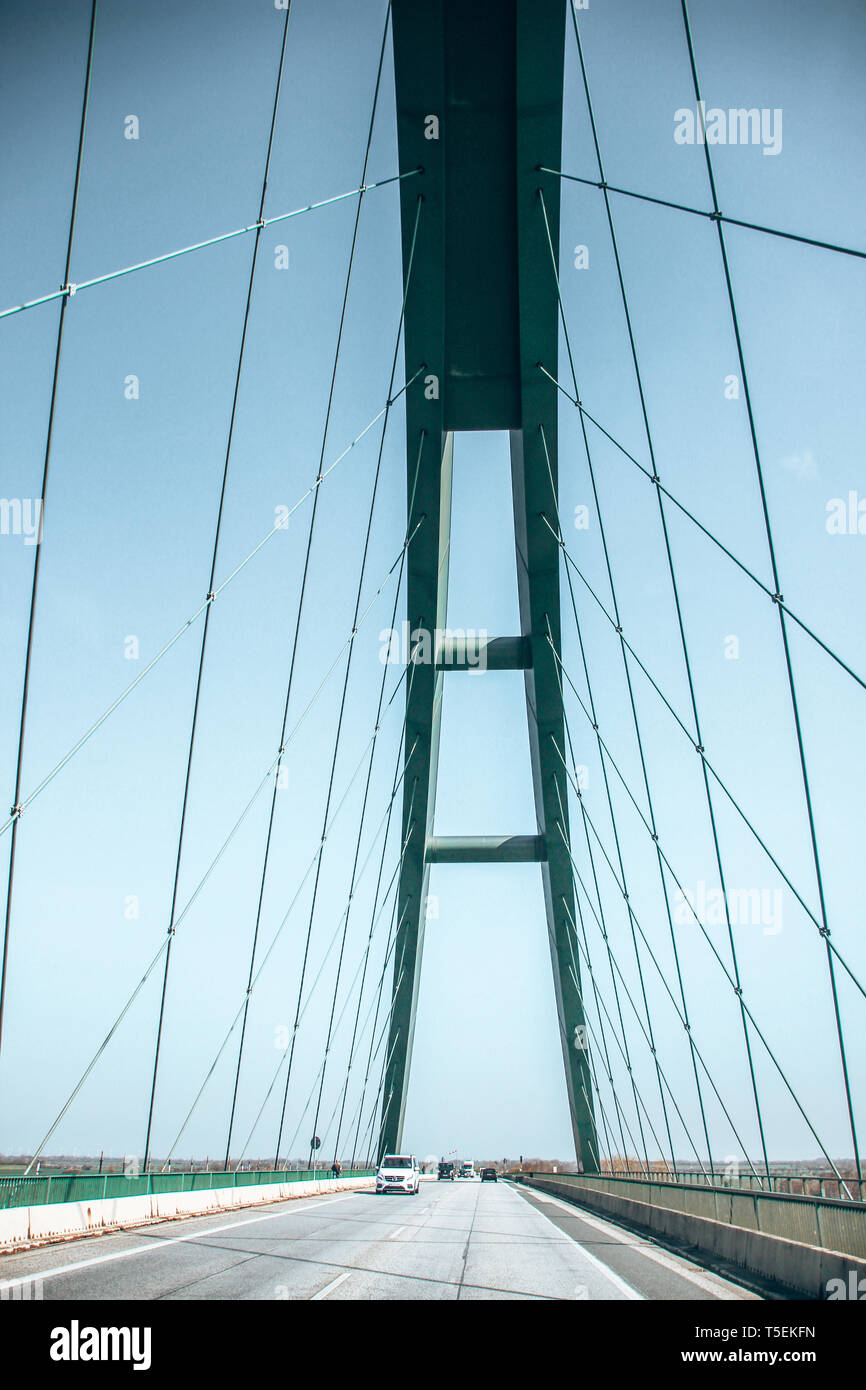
(129, 524)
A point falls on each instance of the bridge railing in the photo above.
(91, 1187)
(787, 1184)
(829, 1223)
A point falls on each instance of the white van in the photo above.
(399, 1173)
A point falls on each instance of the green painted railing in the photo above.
(825, 1222)
(92, 1187)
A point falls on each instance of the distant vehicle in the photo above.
(399, 1173)
(488, 1175)
(467, 1170)
(446, 1171)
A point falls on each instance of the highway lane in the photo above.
(461, 1240)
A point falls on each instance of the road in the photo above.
(460, 1240)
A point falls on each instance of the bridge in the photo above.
(318, 367)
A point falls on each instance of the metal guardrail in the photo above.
(825, 1222)
(789, 1184)
(93, 1187)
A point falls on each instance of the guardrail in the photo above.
(92, 1187)
(824, 1222)
(790, 1184)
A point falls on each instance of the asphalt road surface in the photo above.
(454, 1240)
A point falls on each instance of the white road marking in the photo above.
(394, 1234)
(164, 1244)
(613, 1278)
(708, 1282)
(340, 1279)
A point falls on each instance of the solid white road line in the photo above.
(704, 1280)
(164, 1244)
(600, 1266)
(396, 1233)
(323, 1293)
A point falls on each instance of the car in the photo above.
(398, 1173)
(488, 1175)
(446, 1172)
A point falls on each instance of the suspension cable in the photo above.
(671, 569)
(700, 212)
(306, 1003)
(656, 481)
(637, 729)
(68, 291)
(303, 588)
(410, 682)
(213, 565)
(342, 704)
(801, 750)
(46, 465)
(703, 755)
(737, 989)
(280, 525)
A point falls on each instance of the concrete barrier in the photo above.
(806, 1270)
(21, 1227)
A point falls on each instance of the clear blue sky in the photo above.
(129, 528)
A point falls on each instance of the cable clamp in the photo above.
(210, 596)
(738, 991)
(17, 810)
(603, 183)
(653, 1050)
(655, 479)
(282, 749)
(699, 748)
(619, 629)
(595, 727)
(825, 932)
(714, 216)
(68, 289)
(688, 1027)
(625, 895)
(778, 598)
(654, 836)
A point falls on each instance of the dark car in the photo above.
(488, 1175)
(446, 1172)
